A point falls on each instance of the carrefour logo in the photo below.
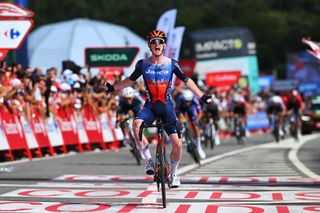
(12, 33)
(219, 45)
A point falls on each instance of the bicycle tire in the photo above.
(135, 151)
(161, 175)
(212, 138)
(193, 150)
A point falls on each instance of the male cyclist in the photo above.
(238, 110)
(128, 107)
(276, 107)
(188, 109)
(295, 106)
(157, 72)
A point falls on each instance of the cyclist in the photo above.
(295, 105)
(157, 72)
(275, 105)
(238, 109)
(214, 109)
(188, 108)
(128, 107)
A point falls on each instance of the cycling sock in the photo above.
(174, 166)
(198, 142)
(146, 152)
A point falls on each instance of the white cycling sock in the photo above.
(174, 166)
(199, 142)
(146, 152)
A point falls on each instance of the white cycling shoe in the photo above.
(175, 182)
(202, 154)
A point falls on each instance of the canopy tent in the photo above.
(51, 44)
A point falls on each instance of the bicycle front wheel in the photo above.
(162, 174)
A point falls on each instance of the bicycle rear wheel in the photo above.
(161, 174)
(135, 151)
(193, 149)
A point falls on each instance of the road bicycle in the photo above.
(162, 171)
(275, 124)
(294, 125)
(126, 127)
(209, 133)
(239, 129)
(190, 142)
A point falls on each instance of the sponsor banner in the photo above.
(106, 130)
(39, 130)
(285, 85)
(14, 32)
(258, 121)
(13, 130)
(174, 43)
(92, 126)
(265, 82)
(111, 72)
(309, 88)
(167, 21)
(68, 127)
(4, 143)
(83, 137)
(31, 140)
(222, 79)
(223, 43)
(32, 206)
(54, 133)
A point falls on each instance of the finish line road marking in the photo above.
(217, 196)
(47, 207)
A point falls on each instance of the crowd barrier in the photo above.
(72, 131)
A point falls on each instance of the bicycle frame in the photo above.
(162, 166)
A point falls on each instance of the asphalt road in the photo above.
(261, 174)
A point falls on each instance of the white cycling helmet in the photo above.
(187, 95)
(238, 98)
(128, 92)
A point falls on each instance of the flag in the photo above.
(174, 43)
(166, 21)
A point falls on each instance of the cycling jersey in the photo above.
(158, 82)
(124, 107)
(158, 78)
(192, 108)
(275, 104)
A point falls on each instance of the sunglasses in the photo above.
(157, 41)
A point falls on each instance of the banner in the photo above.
(174, 43)
(4, 143)
(166, 21)
(54, 133)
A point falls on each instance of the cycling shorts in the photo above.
(151, 111)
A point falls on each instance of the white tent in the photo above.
(51, 44)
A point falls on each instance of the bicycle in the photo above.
(161, 166)
(188, 139)
(238, 130)
(275, 124)
(294, 126)
(209, 132)
(126, 127)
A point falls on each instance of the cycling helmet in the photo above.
(187, 95)
(128, 92)
(156, 34)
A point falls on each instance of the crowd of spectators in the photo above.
(24, 91)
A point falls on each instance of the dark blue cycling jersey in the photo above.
(192, 108)
(158, 82)
(125, 107)
(158, 78)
